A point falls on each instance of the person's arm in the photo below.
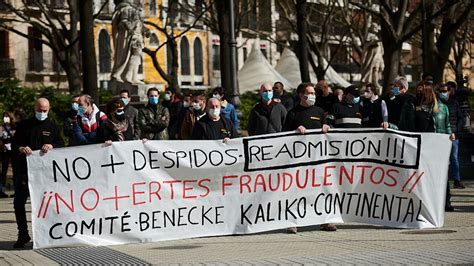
(136, 126)
(78, 136)
(384, 111)
(198, 132)
(283, 115)
(58, 141)
(251, 123)
(288, 126)
(186, 126)
(446, 121)
(234, 118)
(154, 125)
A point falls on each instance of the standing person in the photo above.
(88, 120)
(71, 119)
(280, 95)
(187, 105)
(398, 100)
(117, 127)
(306, 115)
(7, 131)
(462, 96)
(131, 113)
(214, 125)
(373, 109)
(339, 92)
(325, 98)
(153, 118)
(266, 116)
(455, 120)
(193, 115)
(227, 109)
(174, 105)
(346, 114)
(426, 108)
(36, 133)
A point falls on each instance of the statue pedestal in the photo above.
(137, 91)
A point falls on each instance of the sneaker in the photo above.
(328, 227)
(449, 208)
(22, 241)
(292, 230)
(458, 185)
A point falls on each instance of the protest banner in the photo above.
(132, 192)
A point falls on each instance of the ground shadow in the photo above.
(7, 221)
(8, 245)
(463, 208)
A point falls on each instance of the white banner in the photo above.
(131, 192)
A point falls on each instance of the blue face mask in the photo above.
(395, 91)
(153, 100)
(75, 106)
(125, 101)
(41, 116)
(444, 96)
(355, 100)
(81, 109)
(267, 95)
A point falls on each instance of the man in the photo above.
(346, 114)
(194, 114)
(153, 118)
(306, 115)
(174, 105)
(455, 118)
(227, 109)
(71, 119)
(280, 95)
(88, 120)
(373, 109)
(325, 98)
(267, 116)
(399, 100)
(131, 113)
(36, 133)
(214, 125)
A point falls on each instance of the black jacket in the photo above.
(310, 117)
(263, 122)
(207, 129)
(106, 132)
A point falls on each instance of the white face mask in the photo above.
(196, 106)
(217, 96)
(6, 120)
(167, 97)
(367, 95)
(41, 116)
(214, 113)
(310, 99)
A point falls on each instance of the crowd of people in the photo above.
(432, 108)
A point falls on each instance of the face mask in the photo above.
(355, 100)
(120, 116)
(167, 97)
(81, 109)
(214, 113)
(367, 95)
(310, 99)
(75, 106)
(444, 96)
(196, 106)
(41, 116)
(217, 96)
(6, 120)
(153, 100)
(395, 91)
(267, 95)
(125, 101)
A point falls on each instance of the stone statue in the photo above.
(127, 32)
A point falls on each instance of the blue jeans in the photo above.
(453, 160)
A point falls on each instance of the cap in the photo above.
(352, 90)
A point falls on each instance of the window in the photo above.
(154, 41)
(216, 54)
(105, 58)
(198, 61)
(152, 8)
(35, 51)
(184, 48)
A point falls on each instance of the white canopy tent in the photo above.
(257, 70)
(288, 66)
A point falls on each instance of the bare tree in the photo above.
(464, 37)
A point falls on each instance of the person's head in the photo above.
(125, 96)
(8, 118)
(339, 93)
(443, 92)
(427, 77)
(152, 95)
(85, 104)
(115, 110)
(306, 94)
(41, 109)
(323, 86)
(169, 94)
(278, 88)
(213, 108)
(266, 93)
(19, 114)
(399, 85)
(452, 87)
(199, 102)
(352, 95)
(187, 100)
(427, 97)
(218, 93)
(370, 91)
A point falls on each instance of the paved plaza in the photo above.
(351, 244)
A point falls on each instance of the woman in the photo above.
(6, 134)
(116, 127)
(426, 108)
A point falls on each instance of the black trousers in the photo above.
(6, 158)
(21, 195)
